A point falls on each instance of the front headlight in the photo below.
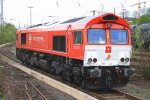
(127, 59)
(89, 60)
(95, 60)
(122, 59)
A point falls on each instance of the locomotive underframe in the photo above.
(74, 71)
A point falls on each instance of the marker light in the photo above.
(108, 56)
(122, 59)
(94, 60)
(127, 59)
(89, 60)
(108, 25)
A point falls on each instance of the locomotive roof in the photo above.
(79, 23)
(73, 20)
(70, 21)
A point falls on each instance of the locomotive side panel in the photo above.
(37, 41)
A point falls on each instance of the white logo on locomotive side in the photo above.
(30, 37)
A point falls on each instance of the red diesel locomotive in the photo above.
(90, 51)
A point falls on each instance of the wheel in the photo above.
(83, 84)
(66, 75)
(31, 61)
(52, 68)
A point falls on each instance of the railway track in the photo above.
(31, 90)
(109, 94)
(112, 94)
(6, 52)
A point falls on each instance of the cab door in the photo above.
(77, 44)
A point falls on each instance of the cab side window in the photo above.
(78, 37)
(59, 43)
(23, 38)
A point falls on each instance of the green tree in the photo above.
(134, 21)
(7, 33)
(144, 19)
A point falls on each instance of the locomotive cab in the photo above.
(108, 53)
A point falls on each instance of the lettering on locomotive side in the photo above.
(38, 38)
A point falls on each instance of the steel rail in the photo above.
(27, 93)
(113, 94)
(38, 91)
(126, 95)
(7, 55)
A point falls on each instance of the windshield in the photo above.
(119, 36)
(96, 36)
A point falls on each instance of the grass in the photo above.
(2, 98)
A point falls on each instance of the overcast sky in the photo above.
(18, 9)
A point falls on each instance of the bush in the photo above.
(141, 36)
(137, 38)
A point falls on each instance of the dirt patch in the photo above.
(140, 83)
(140, 60)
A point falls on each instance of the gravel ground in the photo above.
(12, 85)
